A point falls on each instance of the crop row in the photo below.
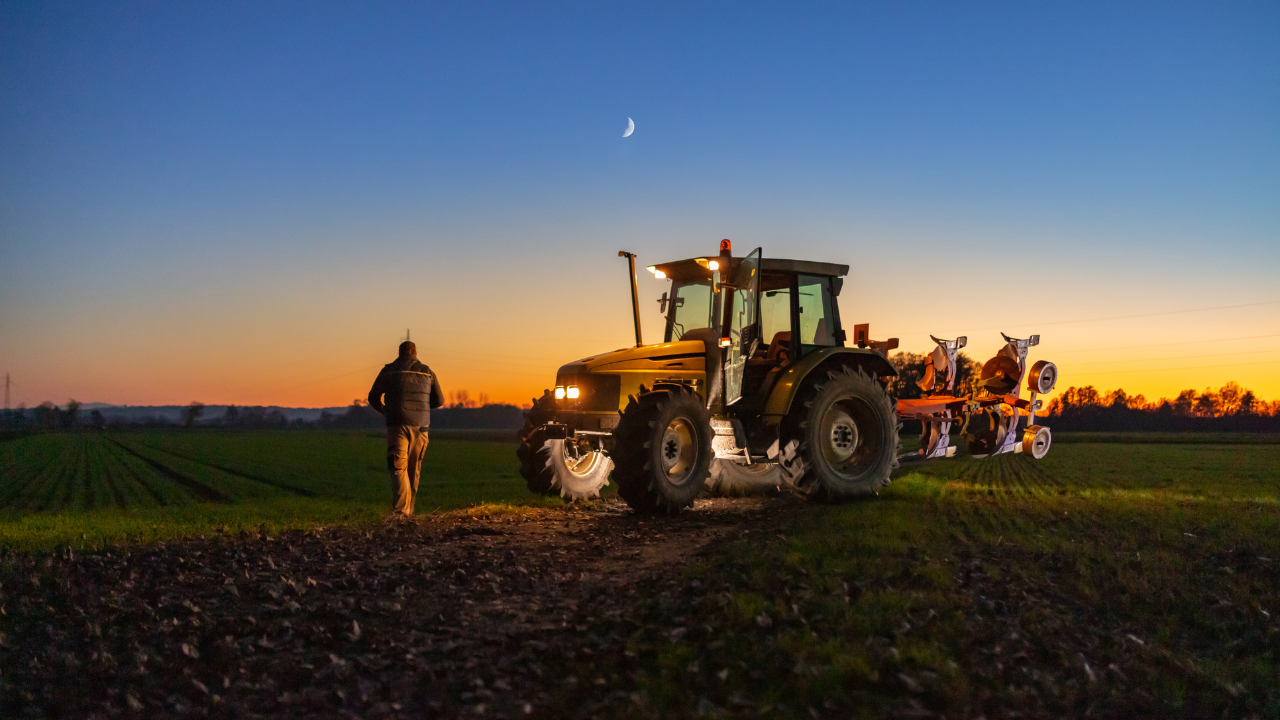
(76, 472)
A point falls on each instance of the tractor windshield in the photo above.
(691, 308)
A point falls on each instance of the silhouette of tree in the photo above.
(1249, 404)
(1230, 408)
(192, 413)
(1184, 405)
(97, 420)
(44, 415)
(253, 417)
(911, 369)
(72, 414)
(1208, 405)
(231, 417)
(1229, 398)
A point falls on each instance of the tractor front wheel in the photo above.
(533, 465)
(662, 450)
(842, 437)
(569, 468)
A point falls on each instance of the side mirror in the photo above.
(662, 304)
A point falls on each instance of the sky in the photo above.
(251, 203)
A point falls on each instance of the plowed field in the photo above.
(1110, 580)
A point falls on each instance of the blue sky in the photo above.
(321, 175)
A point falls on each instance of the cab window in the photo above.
(817, 316)
(691, 309)
(775, 313)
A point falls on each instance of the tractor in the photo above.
(756, 385)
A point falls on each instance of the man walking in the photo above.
(411, 390)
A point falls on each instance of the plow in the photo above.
(989, 418)
(756, 385)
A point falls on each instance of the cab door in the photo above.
(743, 329)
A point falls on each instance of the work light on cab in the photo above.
(559, 392)
(572, 392)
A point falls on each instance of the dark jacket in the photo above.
(411, 390)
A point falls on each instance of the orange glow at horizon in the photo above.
(506, 339)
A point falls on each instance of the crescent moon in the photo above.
(631, 127)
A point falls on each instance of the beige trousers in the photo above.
(406, 444)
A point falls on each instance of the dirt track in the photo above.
(447, 615)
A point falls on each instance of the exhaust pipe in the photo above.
(635, 294)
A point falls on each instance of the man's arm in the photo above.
(376, 392)
(437, 395)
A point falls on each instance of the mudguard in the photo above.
(784, 391)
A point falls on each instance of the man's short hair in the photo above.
(407, 348)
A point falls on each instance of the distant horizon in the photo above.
(1062, 387)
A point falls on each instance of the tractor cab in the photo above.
(767, 313)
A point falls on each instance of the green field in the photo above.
(1117, 579)
(86, 489)
(1134, 576)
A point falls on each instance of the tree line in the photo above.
(1229, 408)
(462, 412)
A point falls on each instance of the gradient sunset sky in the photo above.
(250, 202)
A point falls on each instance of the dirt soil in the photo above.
(451, 614)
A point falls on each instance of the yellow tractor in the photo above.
(754, 385)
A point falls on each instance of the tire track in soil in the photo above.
(1011, 473)
(446, 615)
(302, 492)
(202, 491)
(147, 486)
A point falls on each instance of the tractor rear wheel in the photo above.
(841, 439)
(731, 479)
(662, 450)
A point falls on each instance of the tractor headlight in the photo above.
(572, 392)
(559, 393)
(713, 266)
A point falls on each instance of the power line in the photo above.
(369, 368)
(1125, 317)
(1180, 357)
(1194, 367)
(1180, 342)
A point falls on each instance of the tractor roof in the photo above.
(696, 268)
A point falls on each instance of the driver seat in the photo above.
(779, 348)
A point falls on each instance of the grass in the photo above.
(1120, 576)
(1128, 580)
(86, 490)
